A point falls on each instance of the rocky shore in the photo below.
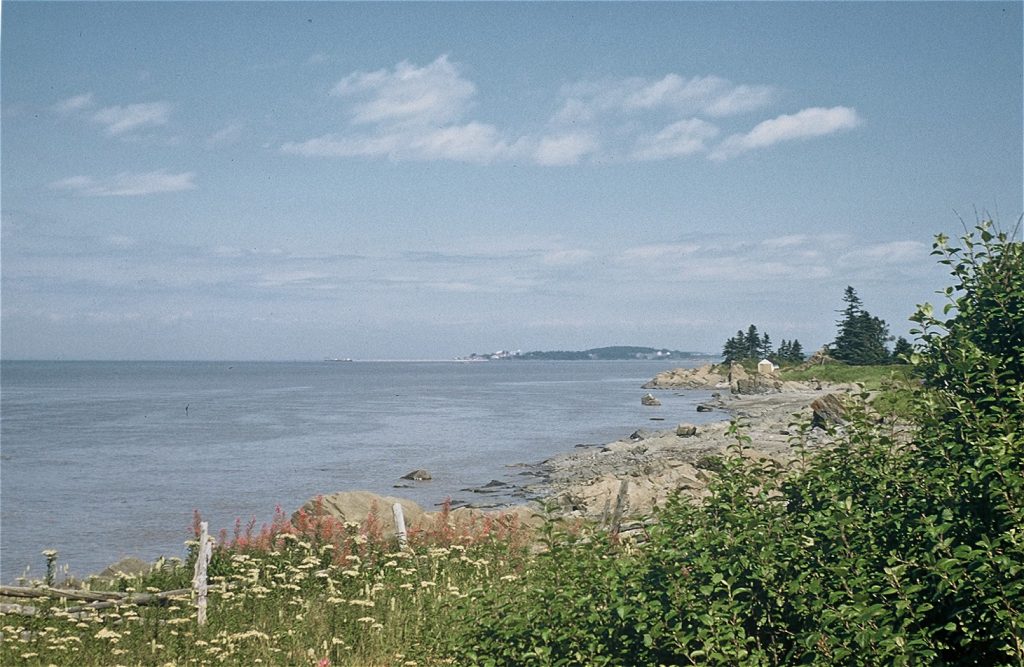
(633, 475)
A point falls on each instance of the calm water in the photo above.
(101, 459)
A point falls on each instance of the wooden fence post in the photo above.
(199, 585)
(620, 503)
(403, 538)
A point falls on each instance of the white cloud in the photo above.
(127, 184)
(812, 122)
(567, 257)
(434, 94)
(227, 135)
(564, 149)
(76, 103)
(472, 142)
(684, 137)
(121, 120)
(412, 112)
(892, 252)
(409, 113)
(705, 95)
(659, 251)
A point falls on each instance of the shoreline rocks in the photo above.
(648, 466)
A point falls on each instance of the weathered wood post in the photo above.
(620, 504)
(403, 538)
(199, 584)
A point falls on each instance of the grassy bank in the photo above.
(872, 378)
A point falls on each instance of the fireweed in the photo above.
(308, 590)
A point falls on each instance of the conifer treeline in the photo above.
(861, 339)
(754, 346)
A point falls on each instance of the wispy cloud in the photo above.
(75, 103)
(409, 113)
(432, 95)
(227, 135)
(703, 95)
(812, 122)
(564, 149)
(120, 120)
(127, 184)
(684, 137)
(412, 112)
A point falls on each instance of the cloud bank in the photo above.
(412, 112)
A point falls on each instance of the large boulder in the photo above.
(357, 506)
(741, 382)
(828, 410)
(686, 378)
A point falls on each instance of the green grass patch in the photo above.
(873, 378)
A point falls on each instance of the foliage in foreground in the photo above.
(886, 547)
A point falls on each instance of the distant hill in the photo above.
(613, 353)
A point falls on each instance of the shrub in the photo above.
(884, 547)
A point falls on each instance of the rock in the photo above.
(357, 506)
(703, 407)
(418, 475)
(649, 399)
(127, 567)
(736, 374)
(686, 378)
(686, 430)
(740, 382)
(828, 410)
(640, 434)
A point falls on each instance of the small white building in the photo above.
(765, 367)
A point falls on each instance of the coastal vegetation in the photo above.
(893, 542)
(751, 346)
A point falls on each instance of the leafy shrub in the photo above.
(884, 547)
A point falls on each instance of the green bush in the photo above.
(883, 548)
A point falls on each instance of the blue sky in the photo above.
(295, 181)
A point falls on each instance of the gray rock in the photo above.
(686, 430)
(649, 399)
(828, 410)
(418, 475)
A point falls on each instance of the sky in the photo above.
(293, 181)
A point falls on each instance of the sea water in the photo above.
(100, 460)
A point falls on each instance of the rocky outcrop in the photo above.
(741, 382)
(687, 378)
(828, 410)
(649, 399)
(419, 475)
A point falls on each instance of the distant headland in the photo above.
(613, 353)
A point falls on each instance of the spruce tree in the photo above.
(861, 337)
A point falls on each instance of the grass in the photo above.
(873, 378)
(317, 593)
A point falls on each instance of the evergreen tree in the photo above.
(796, 352)
(734, 348)
(901, 351)
(765, 349)
(861, 337)
(783, 353)
(753, 342)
